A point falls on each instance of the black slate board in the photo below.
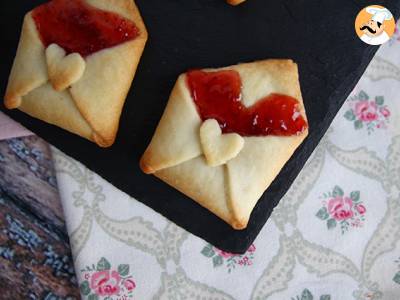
(318, 34)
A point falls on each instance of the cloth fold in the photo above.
(11, 129)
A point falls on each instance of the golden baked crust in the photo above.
(235, 2)
(229, 190)
(96, 99)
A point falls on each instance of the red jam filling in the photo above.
(218, 96)
(78, 27)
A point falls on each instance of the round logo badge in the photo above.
(374, 25)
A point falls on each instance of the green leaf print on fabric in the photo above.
(217, 261)
(208, 251)
(355, 196)
(93, 297)
(85, 289)
(358, 124)
(379, 100)
(337, 191)
(123, 269)
(396, 278)
(363, 96)
(323, 213)
(349, 115)
(307, 295)
(103, 264)
(331, 223)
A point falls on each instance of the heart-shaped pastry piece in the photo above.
(218, 148)
(63, 70)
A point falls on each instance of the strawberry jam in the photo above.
(79, 27)
(217, 95)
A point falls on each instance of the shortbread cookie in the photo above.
(75, 63)
(235, 2)
(226, 134)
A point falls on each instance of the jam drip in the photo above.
(78, 27)
(217, 95)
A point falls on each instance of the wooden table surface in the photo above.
(35, 257)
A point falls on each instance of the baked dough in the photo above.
(235, 2)
(218, 148)
(82, 95)
(230, 190)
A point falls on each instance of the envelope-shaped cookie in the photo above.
(226, 133)
(75, 63)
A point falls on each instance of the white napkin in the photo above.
(333, 236)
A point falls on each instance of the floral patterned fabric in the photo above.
(102, 281)
(347, 211)
(335, 234)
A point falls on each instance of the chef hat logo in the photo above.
(374, 25)
(379, 14)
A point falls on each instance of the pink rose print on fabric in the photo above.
(104, 282)
(129, 284)
(227, 259)
(385, 112)
(361, 209)
(340, 208)
(367, 113)
(224, 254)
(345, 211)
(252, 248)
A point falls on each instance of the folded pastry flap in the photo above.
(256, 166)
(29, 70)
(206, 185)
(261, 159)
(56, 108)
(101, 91)
(176, 138)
